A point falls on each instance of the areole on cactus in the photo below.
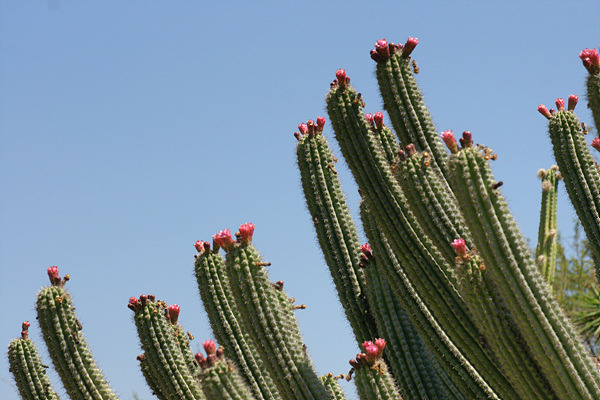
(446, 301)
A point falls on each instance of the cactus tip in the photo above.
(246, 232)
(590, 60)
(542, 109)
(450, 140)
(174, 310)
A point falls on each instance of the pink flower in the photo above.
(246, 232)
(590, 60)
(303, 128)
(460, 247)
(53, 275)
(320, 123)
(380, 343)
(560, 104)
(448, 138)
(199, 245)
(223, 239)
(342, 78)
(382, 48)
(369, 118)
(596, 143)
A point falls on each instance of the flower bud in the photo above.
(410, 45)
(544, 111)
(174, 310)
(53, 275)
(199, 245)
(378, 118)
(460, 247)
(209, 347)
(223, 239)
(560, 104)
(573, 99)
(448, 138)
(246, 232)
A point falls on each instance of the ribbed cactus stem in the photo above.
(27, 369)
(268, 316)
(373, 381)
(183, 338)
(546, 250)
(219, 378)
(403, 100)
(430, 272)
(336, 231)
(162, 349)
(411, 362)
(548, 333)
(68, 349)
(580, 175)
(152, 379)
(225, 320)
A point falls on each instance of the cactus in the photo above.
(446, 285)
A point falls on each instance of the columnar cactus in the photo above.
(446, 285)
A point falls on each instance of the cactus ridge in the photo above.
(546, 249)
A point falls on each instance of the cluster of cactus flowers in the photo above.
(446, 285)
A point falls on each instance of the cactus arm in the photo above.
(579, 171)
(549, 335)
(429, 271)
(152, 379)
(162, 349)
(336, 231)
(268, 316)
(219, 378)
(333, 387)
(27, 369)
(403, 100)
(546, 250)
(70, 355)
(224, 318)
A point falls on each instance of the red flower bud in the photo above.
(590, 60)
(209, 347)
(460, 247)
(378, 118)
(199, 245)
(342, 78)
(448, 138)
(380, 343)
(560, 104)
(369, 118)
(174, 310)
(410, 45)
(246, 232)
(544, 111)
(573, 99)
(382, 48)
(320, 123)
(303, 128)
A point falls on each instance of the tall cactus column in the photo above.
(70, 354)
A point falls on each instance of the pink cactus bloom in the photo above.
(209, 347)
(410, 45)
(366, 344)
(560, 104)
(378, 118)
(246, 232)
(174, 310)
(366, 249)
(303, 128)
(342, 78)
(382, 48)
(223, 239)
(573, 99)
(460, 247)
(53, 275)
(25, 325)
(380, 343)
(596, 143)
(369, 118)
(448, 138)
(542, 109)
(590, 60)
(320, 123)
(199, 245)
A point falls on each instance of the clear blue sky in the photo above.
(129, 130)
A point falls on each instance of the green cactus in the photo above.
(447, 285)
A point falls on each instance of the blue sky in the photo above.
(129, 130)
